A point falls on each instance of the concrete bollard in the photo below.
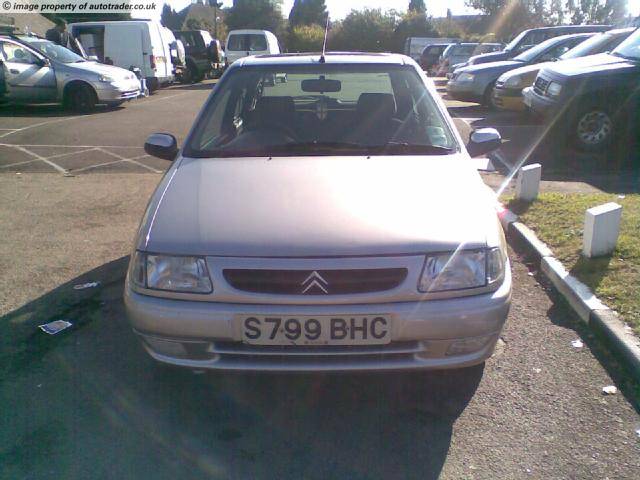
(601, 229)
(528, 182)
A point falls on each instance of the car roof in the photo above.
(570, 27)
(330, 58)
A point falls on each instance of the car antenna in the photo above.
(324, 44)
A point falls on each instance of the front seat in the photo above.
(275, 114)
(375, 120)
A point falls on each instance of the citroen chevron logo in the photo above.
(315, 280)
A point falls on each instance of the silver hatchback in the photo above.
(332, 222)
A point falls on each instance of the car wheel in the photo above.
(487, 100)
(81, 98)
(593, 129)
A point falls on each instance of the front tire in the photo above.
(80, 98)
(593, 128)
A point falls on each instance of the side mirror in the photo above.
(162, 145)
(43, 62)
(483, 141)
(92, 58)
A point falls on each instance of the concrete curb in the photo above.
(595, 314)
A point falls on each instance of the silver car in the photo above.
(333, 222)
(33, 70)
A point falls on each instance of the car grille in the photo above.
(540, 86)
(238, 355)
(310, 282)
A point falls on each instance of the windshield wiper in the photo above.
(334, 148)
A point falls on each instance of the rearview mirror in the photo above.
(483, 141)
(321, 85)
(162, 145)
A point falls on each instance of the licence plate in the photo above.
(316, 330)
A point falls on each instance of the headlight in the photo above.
(465, 77)
(462, 270)
(554, 89)
(177, 274)
(107, 78)
(513, 82)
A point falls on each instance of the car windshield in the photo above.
(321, 110)
(535, 52)
(588, 47)
(514, 43)
(54, 51)
(630, 48)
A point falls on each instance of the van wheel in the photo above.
(593, 128)
(80, 98)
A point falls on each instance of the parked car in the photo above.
(481, 49)
(129, 44)
(204, 55)
(507, 94)
(243, 43)
(475, 83)
(268, 245)
(34, 70)
(454, 54)
(414, 46)
(431, 56)
(532, 37)
(596, 97)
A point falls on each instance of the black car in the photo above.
(597, 97)
(204, 55)
(431, 55)
(529, 38)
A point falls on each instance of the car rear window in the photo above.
(248, 42)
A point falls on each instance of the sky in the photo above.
(340, 8)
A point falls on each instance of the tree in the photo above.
(170, 19)
(417, 6)
(596, 11)
(367, 30)
(413, 24)
(308, 12)
(305, 38)
(260, 14)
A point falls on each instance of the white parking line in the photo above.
(131, 160)
(41, 158)
(17, 164)
(65, 119)
(62, 146)
(71, 153)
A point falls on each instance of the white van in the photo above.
(129, 43)
(243, 43)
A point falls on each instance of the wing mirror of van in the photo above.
(483, 141)
(162, 145)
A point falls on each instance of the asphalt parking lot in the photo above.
(89, 403)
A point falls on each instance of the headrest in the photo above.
(275, 109)
(381, 105)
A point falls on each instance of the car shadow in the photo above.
(92, 389)
(194, 86)
(50, 111)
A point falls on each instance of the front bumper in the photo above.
(207, 335)
(508, 99)
(540, 105)
(465, 91)
(118, 91)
